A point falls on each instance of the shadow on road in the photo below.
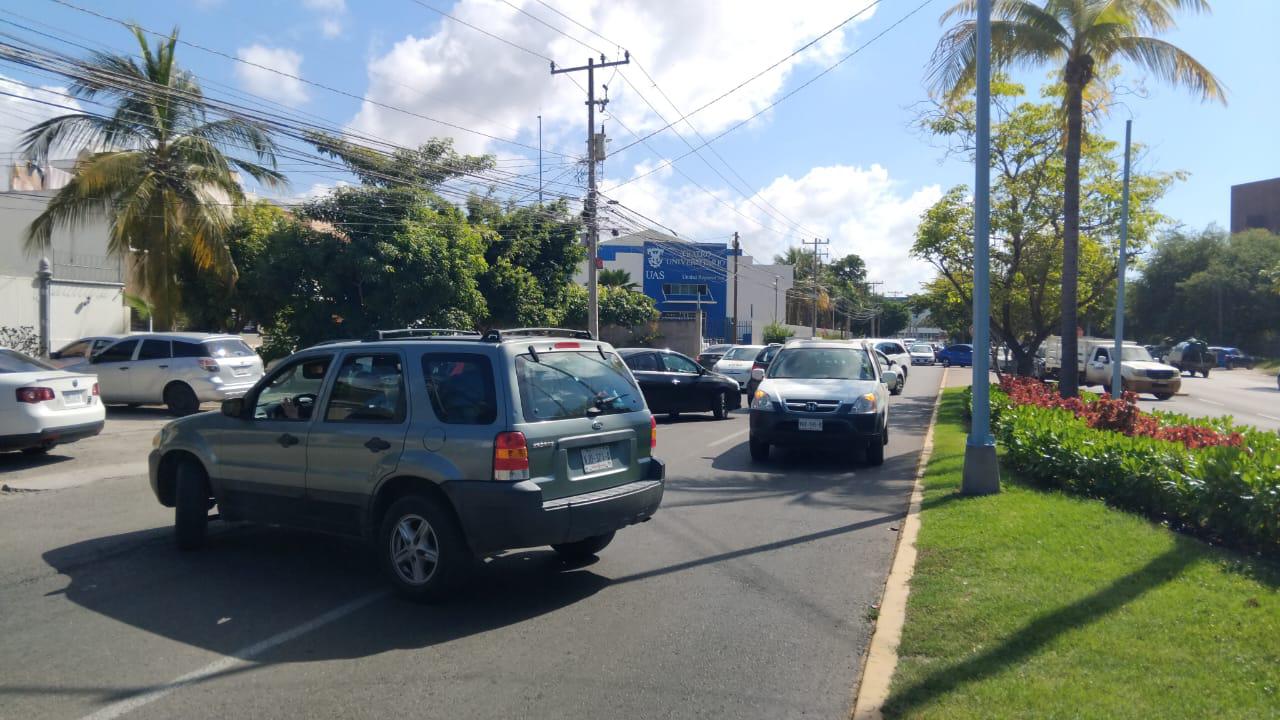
(10, 461)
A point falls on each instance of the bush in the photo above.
(1210, 477)
(776, 333)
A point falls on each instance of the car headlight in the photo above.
(762, 401)
(155, 441)
(865, 404)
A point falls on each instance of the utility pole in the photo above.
(594, 155)
(981, 474)
(816, 264)
(775, 299)
(736, 253)
(1116, 380)
(539, 159)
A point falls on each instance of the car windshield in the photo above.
(921, 349)
(12, 361)
(823, 364)
(575, 384)
(1135, 354)
(229, 347)
(742, 352)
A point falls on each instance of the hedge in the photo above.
(1210, 477)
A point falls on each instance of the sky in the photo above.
(838, 157)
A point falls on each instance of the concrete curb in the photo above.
(68, 479)
(882, 653)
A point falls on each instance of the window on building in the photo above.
(1256, 220)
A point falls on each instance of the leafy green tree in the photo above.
(1027, 230)
(159, 169)
(618, 306)
(209, 303)
(1083, 37)
(894, 316)
(427, 166)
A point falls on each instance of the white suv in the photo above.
(180, 370)
(895, 351)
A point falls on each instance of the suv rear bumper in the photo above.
(501, 516)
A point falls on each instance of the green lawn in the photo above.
(1036, 604)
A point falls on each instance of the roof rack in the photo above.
(424, 333)
(500, 335)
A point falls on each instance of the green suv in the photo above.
(438, 446)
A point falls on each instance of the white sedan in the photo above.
(737, 363)
(41, 406)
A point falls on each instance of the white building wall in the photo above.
(88, 286)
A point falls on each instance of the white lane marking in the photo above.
(1269, 417)
(241, 657)
(1212, 402)
(728, 437)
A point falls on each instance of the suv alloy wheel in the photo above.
(421, 549)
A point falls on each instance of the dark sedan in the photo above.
(709, 357)
(673, 383)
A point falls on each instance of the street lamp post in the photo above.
(981, 468)
(1117, 386)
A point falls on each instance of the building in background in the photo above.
(1256, 205)
(86, 290)
(685, 278)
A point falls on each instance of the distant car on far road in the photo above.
(922, 354)
(179, 370)
(1231, 358)
(710, 356)
(1192, 356)
(80, 350)
(961, 354)
(41, 406)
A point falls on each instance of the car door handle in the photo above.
(287, 440)
(163, 367)
(377, 444)
(126, 367)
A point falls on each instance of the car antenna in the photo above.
(533, 353)
(600, 349)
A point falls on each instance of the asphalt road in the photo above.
(1250, 396)
(747, 596)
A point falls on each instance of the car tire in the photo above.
(1205, 372)
(1163, 396)
(946, 363)
(759, 450)
(673, 416)
(875, 449)
(191, 506)
(181, 399)
(896, 389)
(405, 547)
(584, 549)
(720, 406)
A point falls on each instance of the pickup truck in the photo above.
(1139, 373)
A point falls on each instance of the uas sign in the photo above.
(682, 276)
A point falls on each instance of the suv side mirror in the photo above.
(757, 374)
(233, 408)
(55, 355)
(889, 377)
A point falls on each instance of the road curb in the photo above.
(882, 653)
(69, 479)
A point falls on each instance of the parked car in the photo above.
(761, 366)
(80, 350)
(895, 388)
(923, 354)
(960, 354)
(42, 407)
(673, 383)
(737, 363)
(823, 393)
(438, 450)
(710, 356)
(1231, 358)
(1192, 356)
(1139, 373)
(179, 370)
(895, 351)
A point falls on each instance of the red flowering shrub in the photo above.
(1118, 415)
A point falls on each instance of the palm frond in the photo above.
(954, 62)
(90, 194)
(72, 131)
(239, 132)
(1171, 64)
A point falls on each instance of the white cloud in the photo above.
(694, 50)
(331, 27)
(329, 6)
(260, 81)
(862, 210)
(331, 12)
(20, 113)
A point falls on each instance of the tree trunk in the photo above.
(1068, 381)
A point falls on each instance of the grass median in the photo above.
(1039, 604)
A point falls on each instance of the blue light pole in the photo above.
(1117, 382)
(981, 468)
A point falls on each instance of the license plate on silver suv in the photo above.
(595, 459)
(811, 424)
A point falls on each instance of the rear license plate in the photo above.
(74, 397)
(595, 459)
(810, 424)
(240, 371)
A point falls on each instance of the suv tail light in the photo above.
(757, 365)
(33, 395)
(208, 364)
(95, 389)
(653, 432)
(510, 457)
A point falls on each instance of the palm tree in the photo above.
(155, 168)
(616, 278)
(1082, 37)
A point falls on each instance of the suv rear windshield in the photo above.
(742, 352)
(12, 361)
(823, 364)
(766, 355)
(575, 384)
